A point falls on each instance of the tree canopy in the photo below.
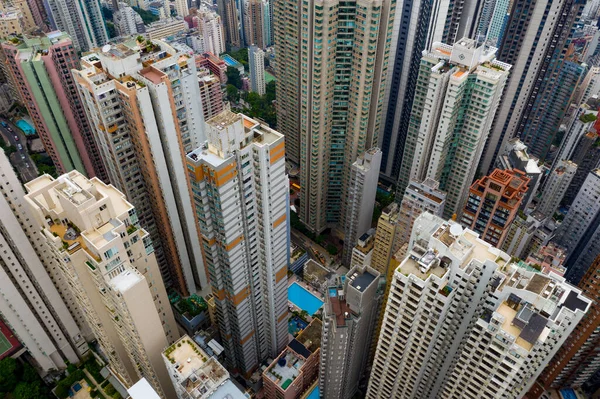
(146, 15)
(233, 77)
(262, 107)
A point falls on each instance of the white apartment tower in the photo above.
(35, 302)
(241, 198)
(142, 100)
(211, 29)
(108, 263)
(181, 8)
(556, 187)
(462, 321)
(457, 95)
(361, 199)
(256, 58)
(349, 317)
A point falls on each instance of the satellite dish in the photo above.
(106, 48)
(456, 230)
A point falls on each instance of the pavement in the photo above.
(19, 159)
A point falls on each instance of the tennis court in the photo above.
(5, 346)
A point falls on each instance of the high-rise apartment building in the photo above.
(256, 60)
(578, 359)
(195, 374)
(582, 223)
(32, 303)
(241, 198)
(41, 69)
(419, 197)
(349, 316)
(107, 260)
(211, 96)
(362, 253)
(210, 26)
(229, 15)
(457, 94)
(535, 73)
(586, 155)
(142, 101)
(493, 21)
(449, 298)
(127, 21)
(555, 187)
(254, 15)
(493, 203)
(330, 97)
(81, 20)
(181, 8)
(361, 199)
(297, 368)
(385, 245)
(579, 226)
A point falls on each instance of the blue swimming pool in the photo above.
(230, 61)
(25, 127)
(315, 394)
(568, 393)
(303, 299)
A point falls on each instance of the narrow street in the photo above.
(20, 159)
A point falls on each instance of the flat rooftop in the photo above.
(361, 281)
(125, 280)
(285, 369)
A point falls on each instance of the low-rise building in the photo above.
(297, 367)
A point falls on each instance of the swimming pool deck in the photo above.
(317, 295)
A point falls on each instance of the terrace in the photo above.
(285, 369)
(198, 374)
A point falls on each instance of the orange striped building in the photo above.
(240, 193)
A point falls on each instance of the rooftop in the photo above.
(125, 280)
(199, 375)
(284, 370)
(361, 281)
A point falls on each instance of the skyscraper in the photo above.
(145, 119)
(493, 203)
(108, 262)
(537, 65)
(211, 95)
(349, 316)
(240, 193)
(49, 326)
(555, 187)
(361, 198)
(229, 15)
(449, 298)
(516, 156)
(82, 20)
(385, 238)
(458, 92)
(578, 359)
(254, 23)
(331, 94)
(181, 8)
(41, 68)
(256, 59)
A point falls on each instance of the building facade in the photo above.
(493, 203)
(229, 15)
(256, 60)
(536, 68)
(385, 245)
(41, 68)
(361, 199)
(145, 119)
(349, 316)
(35, 303)
(240, 192)
(107, 261)
(82, 21)
(459, 90)
(211, 96)
(446, 268)
(330, 98)
(555, 187)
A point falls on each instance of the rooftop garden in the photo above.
(191, 306)
(587, 118)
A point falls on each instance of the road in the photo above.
(305, 243)
(19, 159)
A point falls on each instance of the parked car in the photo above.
(16, 138)
(19, 146)
(4, 124)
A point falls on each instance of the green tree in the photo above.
(233, 77)
(8, 374)
(241, 56)
(111, 30)
(332, 249)
(147, 16)
(29, 391)
(233, 94)
(29, 374)
(62, 390)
